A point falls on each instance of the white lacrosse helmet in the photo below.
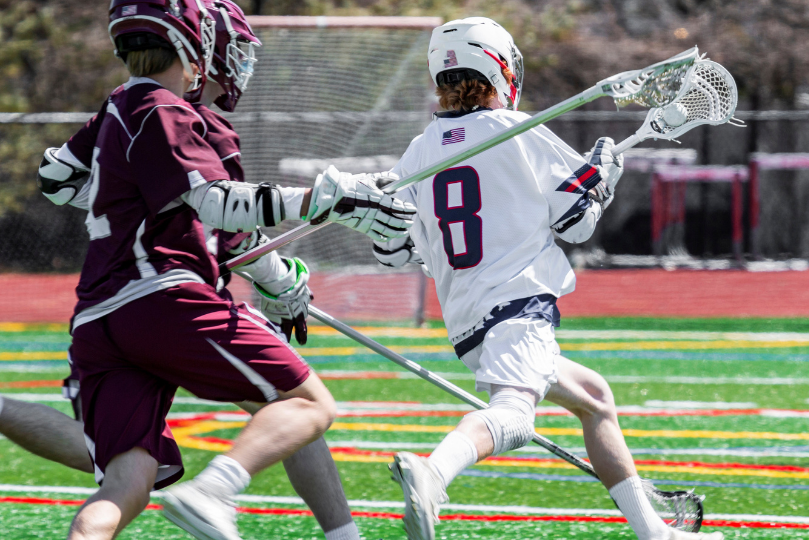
(476, 48)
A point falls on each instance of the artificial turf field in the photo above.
(717, 405)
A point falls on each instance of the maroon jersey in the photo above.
(148, 148)
(222, 137)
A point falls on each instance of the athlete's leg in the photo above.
(280, 428)
(45, 432)
(587, 395)
(314, 477)
(125, 493)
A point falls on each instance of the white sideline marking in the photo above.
(776, 381)
(657, 404)
(675, 335)
(506, 509)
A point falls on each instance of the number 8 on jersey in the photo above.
(456, 193)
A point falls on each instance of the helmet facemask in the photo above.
(240, 60)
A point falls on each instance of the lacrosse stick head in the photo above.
(653, 86)
(708, 96)
(681, 510)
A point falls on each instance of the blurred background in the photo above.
(331, 88)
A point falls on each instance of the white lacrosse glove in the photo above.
(285, 301)
(354, 200)
(610, 168)
(59, 180)
(397, 252)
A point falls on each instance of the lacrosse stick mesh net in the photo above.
(654, 88)
(679, 509)
(708, 98)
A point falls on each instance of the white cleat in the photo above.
(423, 493)
(204, 515)
(682, 535)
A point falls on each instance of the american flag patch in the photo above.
(450, 60)
(453, 136)
(129, 10)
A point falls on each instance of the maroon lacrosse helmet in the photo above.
(183, 26)
(233, 53)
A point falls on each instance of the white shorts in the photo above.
(516, 352)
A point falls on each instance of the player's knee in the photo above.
(326, 408)
(599, 400)
(509, 419)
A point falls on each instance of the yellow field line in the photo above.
(185, 438)
(32, 327)
(383, 331)
(349, 351)
(33, 355)
(211, 425)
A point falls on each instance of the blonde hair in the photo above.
(149, 61)
(468, 94)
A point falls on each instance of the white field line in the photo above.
(505, 509)
(658, 404)
(678, 335)
(596, 335)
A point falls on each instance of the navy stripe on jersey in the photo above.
(581, 181)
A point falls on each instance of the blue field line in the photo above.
(27, 346)
(590, 479)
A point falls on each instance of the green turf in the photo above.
(370, 481)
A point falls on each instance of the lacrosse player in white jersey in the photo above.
(485, 230)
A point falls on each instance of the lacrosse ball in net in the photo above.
(675, 114)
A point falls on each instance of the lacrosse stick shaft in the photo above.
(441, 383)
(538, 119)
(278, 242)
(626, 144)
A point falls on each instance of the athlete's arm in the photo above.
(580, 227)
(352, 200)
(281, 283)
(63, 172)
(63, 179)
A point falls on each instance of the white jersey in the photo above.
(483, 228)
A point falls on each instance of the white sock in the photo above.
(224, 476)
(455, 453)
(348, 531)
(631, 499)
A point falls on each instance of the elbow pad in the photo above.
(580, 227)
(239, 206)
(58, 180)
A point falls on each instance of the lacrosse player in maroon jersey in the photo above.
(149, 319)
(311, 470)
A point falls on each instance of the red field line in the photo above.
(31, 384)
(447, 517)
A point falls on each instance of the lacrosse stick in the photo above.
(654, 86)
(679, 509)
(708, 96)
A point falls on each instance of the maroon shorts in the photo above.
(131, 362)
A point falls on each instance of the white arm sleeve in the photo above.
(581, 226)
(293, 201)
